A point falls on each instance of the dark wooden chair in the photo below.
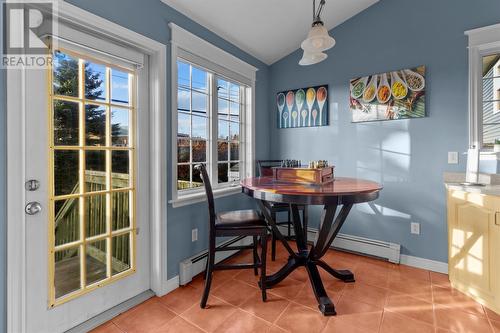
(232, 224)
(266, 170)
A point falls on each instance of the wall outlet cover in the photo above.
(194, 235)
(452, 157)
(415, 228)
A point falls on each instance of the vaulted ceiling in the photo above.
(266, 29)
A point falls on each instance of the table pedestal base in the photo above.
(311, 259)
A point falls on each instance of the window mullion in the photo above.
(213, 134)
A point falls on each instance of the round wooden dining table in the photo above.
(344, 192)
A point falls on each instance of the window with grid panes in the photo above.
(491, 99)
(209, 112)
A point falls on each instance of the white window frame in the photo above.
(190, 48)
(482, 42)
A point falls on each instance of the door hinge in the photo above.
(497, 219)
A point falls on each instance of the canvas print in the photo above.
(387, 96)
(306, 107)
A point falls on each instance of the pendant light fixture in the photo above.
(318, 39)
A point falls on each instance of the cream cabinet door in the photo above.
(470, 218)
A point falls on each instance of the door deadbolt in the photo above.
(32, 185)
(33, 208)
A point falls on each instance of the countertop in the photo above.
(453, 180)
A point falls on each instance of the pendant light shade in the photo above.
(318, 39)
(311, 58)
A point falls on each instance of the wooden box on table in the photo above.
(304, 175)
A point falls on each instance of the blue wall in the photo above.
(407, 156)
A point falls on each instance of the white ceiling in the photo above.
(266, 29)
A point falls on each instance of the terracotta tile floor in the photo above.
(384, 298)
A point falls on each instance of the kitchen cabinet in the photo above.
(474, 245)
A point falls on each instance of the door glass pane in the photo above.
(67, 221)
(66, 169)
(95, 261)
(106, 151)
(120, 259)
(95, 170)
(66, 117)
(67, 271)
(95, 125)
(120, 169)
(119, 127)
(95, 215)
(120, 216)
(95, 81)
(120, 87)
(65, 74)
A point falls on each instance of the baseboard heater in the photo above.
(355, 244)
(196, 264)
(361, 245)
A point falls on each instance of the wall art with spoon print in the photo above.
(305, 107)
(387, 96)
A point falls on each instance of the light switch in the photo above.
(452, 157)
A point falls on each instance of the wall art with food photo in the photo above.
(387, 96)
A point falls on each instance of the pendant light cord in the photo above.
(317, 13)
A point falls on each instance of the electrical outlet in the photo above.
(194, 235)
(415, 228)
(452, 157)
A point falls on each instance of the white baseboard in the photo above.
(171, 284)
(431, 265)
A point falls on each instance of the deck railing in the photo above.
(67, 221)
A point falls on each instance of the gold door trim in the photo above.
(81, 243)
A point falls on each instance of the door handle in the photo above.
(33, 208)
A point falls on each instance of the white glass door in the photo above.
(88, 222)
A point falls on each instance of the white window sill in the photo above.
(200, 196)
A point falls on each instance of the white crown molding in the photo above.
(199, 47)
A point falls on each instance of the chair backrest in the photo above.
(266, 167)
(209, 192)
